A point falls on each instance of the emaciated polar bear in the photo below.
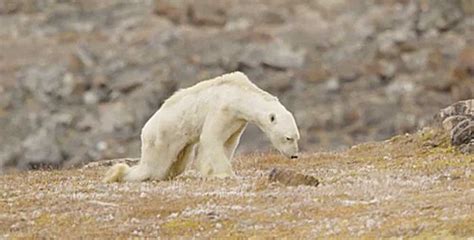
(209, 117)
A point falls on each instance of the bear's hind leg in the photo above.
(148, 165)
(155, 163)
(137, 173)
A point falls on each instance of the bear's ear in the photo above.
(272, 117)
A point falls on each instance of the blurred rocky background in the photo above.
(78, 78)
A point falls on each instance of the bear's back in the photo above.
(236, 79)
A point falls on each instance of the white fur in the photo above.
(207, 120)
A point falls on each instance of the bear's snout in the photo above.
(294, 156)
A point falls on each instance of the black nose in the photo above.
(294, 157)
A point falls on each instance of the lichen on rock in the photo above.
(458, 120)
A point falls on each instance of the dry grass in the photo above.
(409, 186)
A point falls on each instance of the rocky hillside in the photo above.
(409, 186)
(79, 78)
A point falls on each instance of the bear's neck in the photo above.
(254, 108)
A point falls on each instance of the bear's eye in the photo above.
(289, 139)
(272, 118)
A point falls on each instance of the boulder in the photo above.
(458, 120)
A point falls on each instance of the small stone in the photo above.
(90, 98)
(239, 24)
(63, 118)
(316, 72)
(387, 69)
(333, 85)
(399, 88)
(102, 146)
(85, 56)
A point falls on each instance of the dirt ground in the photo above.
(408, 186)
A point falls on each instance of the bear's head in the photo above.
(280, 126)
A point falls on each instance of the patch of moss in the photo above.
(44, 220)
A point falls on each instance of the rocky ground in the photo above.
(78, 79)
(409, 186)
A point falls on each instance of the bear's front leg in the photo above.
(212, 159)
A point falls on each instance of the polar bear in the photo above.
(206, 121)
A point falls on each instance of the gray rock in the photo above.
(51, 83)
(6, 99)
(281, 55)
(85, 58)
(277, 55)
(41, 147)
(458, 120)
(333, 85)
(129, 79)
(459, 108)
(174, 10)
(439, 14)
(115, 117)
(252, 56)
(399, 88)
(390, 41)
(43, 82)
(463, 132)
(9, 157)
(17, 6)
(467, 148)
(207, 13)
(91, 97)
(87, 122)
